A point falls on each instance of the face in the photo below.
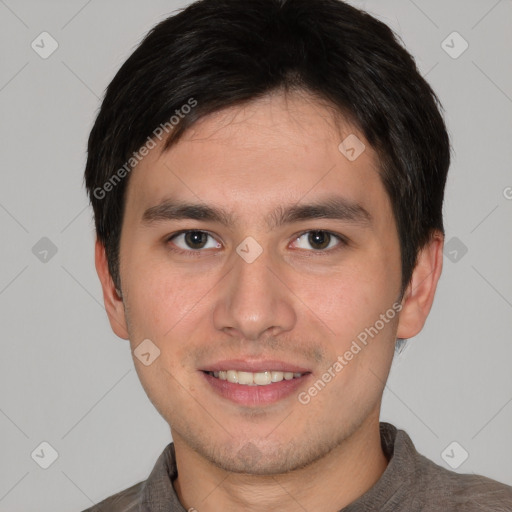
(289, 255)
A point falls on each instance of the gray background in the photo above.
(64, 376)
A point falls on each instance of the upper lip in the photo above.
(245, 365)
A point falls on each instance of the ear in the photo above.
(419, 296)
(113, 303)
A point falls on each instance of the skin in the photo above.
(294, 303)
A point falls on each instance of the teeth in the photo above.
(263, 378)
(232, 376)
(245, 378)
(255, 378)
(276, 376)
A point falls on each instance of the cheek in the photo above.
(156, 294)
(346, 299)
(344, 313)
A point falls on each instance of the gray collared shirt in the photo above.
(410, 483)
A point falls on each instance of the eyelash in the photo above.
(317, 252)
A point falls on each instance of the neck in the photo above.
(329, 484)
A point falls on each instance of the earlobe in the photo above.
(420, 293)
(113, 302)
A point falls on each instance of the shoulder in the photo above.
(123, 501)
(447, 490)
(425, 486)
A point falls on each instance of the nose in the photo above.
(254, 300)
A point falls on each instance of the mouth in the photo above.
(257, 383)
(264, 378)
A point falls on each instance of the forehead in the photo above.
(277, 150)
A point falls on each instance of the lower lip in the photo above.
(255, 395)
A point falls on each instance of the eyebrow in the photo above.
(333, 207)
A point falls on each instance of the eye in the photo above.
(194, 240)
(318, 240)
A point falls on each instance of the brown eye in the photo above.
(194, 240)
(318, 240)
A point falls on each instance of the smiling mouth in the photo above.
(265, 378)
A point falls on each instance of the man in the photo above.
(267, 179)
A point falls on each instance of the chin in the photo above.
(265, 460)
